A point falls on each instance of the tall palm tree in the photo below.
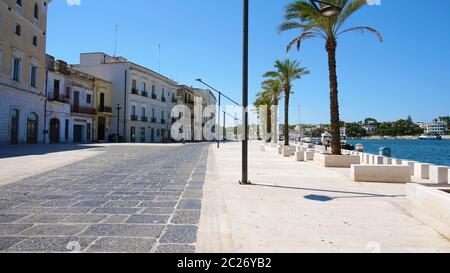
(302, 15)
(286, 73)
(269, 98)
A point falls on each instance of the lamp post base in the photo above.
(248, 183)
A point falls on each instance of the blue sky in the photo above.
(407, 74)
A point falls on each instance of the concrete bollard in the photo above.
(367, 159)
(300, 156)
(439, 175)
(286, 152)
(410, 164)
(280, 150)
(309, 155)
(262, 148)
(422, 170)
(378, 160)
(387, 161)
(398, 162)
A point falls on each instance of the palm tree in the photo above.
(286, 72)
(302, 15)
(269, 98)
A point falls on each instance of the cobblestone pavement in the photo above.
(128, 199)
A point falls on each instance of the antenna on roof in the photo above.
(115, 40)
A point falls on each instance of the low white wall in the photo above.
(381, 173)
(337, 161)
(439, 175)
(422, 170)
(431, 206)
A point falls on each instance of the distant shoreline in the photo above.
(447, 137)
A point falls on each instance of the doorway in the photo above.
(32, 128)
(14, 137)
(54, 131)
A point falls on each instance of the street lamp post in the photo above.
(118, 108)
(245, 180)
(224, 126)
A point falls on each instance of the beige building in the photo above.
(22, 70)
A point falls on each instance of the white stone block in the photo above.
(422, 170)
(280, 150)
(309, 155)
(387, 161)
(378, 160)
(380, 173)
(286, 152)
(431, 206)
(410, 164)
(337, 161)
(439, 175)
(300, 156)
(396, 161)
(262, 148)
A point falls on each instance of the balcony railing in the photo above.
(153, 120)
(163, 99)
(163, 121)
(59, 98)
(174, 100)
(144, 94)
(134, 91)
(154, 96)
(134, 118)
(104, 109)
(83, 110)
(144, 119)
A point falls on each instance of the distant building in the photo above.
(370, 127)
(146, 97)
(434, 128)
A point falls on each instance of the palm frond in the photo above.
(364, 29)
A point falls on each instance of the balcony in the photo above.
(163, 99)
(174, 100)
(134, 118)
(144, 119)
(163, 121)
(134, 91)
(59, 98)
(104, 109)
(154, 96)
(153, 120)
(174, 120)
(144, 94)
(83, 110)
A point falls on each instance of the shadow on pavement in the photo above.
(9, 151)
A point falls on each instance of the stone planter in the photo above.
(381, 173)
(431, 206)
(337, 161)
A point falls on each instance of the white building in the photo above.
(146, 98)
(434, 128)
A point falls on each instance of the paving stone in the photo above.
(57, 203)
(85, 219)
(53, 244)
(179, 234)
(7, 242)
(116, 210)
(192, 195)
(53, 230)
(147, 204)
(122, 245)
(190, 204)
(71, 210)
(166, 199)
(186, 217)
(12, 229)
(115, 219)
(89, 204)
(44, 218)
(175, 248)
(124, 230)
(10, 218)
(148, 219)
(156, 211)
(122, 204)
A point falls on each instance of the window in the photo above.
(36, 11)
(17, 67)
(1, 60)
(32, 128)
(133, 84)
(18, 30)
(35, 41)
(143, 112)
(133, 110)
(153, 89)
(88, 98)
(19, 2)
(153, 113)
(143, 87)
(33, 77)
(133, 134)
(142, 134)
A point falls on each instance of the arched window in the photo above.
(36, 11)
(32, 128)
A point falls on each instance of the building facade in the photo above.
(78, 108)
(22, 70)
(434, 128)
(143, 99)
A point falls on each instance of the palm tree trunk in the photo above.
(334, 101)
(274, 122)
(286, 115)
(269, 122)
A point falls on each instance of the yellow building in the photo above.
(103, 97)
(22, 70)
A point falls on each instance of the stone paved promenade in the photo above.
(126, 199)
